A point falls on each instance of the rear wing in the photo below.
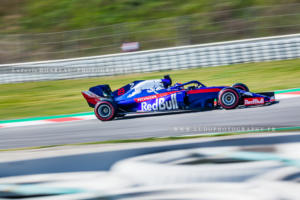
(91, 98)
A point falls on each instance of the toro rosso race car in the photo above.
(160, 95)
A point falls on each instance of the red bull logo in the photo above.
(254, 101)
(160, 104)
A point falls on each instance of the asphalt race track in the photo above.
(284, 114)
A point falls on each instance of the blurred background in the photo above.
(53, 147)
(33, 30)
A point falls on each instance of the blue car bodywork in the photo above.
(160, 95)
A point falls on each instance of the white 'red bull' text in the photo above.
(160, 104)
(254, 101)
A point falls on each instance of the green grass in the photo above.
(58, 15)
(103, 25)
(34, 99)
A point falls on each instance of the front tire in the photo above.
(105, 111)
(229, 98)
(241, 86)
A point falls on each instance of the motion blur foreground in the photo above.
(261, 167)
(51, 147)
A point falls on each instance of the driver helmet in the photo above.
(167, 81)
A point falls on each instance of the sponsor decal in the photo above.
(215, 103)
(155, 96)
(160, 104)
(121, 91)
(254, 101)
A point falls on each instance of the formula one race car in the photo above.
(160, 95)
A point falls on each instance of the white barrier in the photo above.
(205, 55)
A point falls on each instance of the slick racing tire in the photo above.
(105, 111)
(229, 98)
(241, 86)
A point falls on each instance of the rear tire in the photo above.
(229, 98)
(241, 86)
(105, 111)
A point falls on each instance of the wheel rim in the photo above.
(228, 98)
(104, 110)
